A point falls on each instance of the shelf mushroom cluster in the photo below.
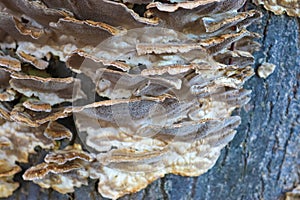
(291, 8)
(16, 143)
(151, 92)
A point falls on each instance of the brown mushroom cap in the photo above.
(70, 153)
(64, 170)
(41, 170)
(36, 119)
(80, 60)
(56, 131)
(110, 12)
(117, 85)
(38, 63)
(35, 10)
(236, 58)
(64, 183)
(10, 63)
(7, 24)
(135, 111)
(49, 90)
(185, 5)
(37, 105)
(82, 31)
(23, 140)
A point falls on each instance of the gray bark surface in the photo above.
(263, 160)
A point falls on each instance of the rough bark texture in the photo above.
(263, 160)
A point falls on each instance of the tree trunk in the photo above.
(262, 162)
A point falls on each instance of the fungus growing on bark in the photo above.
(10, 63)
(37, 105)
(38, 63)
(49, 90)
(63, 170)
(16, 143)
(169, 77)
(7, 170)
(7, 185)
(290, 7)
(56, 131)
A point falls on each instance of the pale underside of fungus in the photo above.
(151, 92)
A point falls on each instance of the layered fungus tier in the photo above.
(150, 86)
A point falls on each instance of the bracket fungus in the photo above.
(16, 143)
(63, 170)
(151, 92)
(290, 7)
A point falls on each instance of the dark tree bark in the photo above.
(263, 160)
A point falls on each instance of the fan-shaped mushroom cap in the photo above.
(291, 7)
